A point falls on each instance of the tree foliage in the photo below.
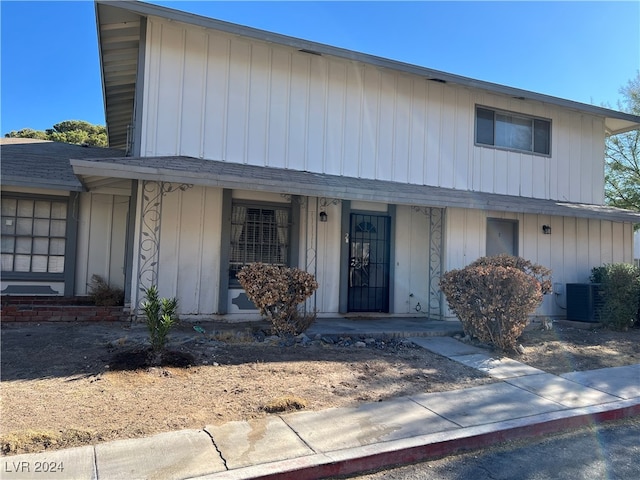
(77, 132)
(622, 170)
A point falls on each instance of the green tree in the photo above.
(622, 168)
(77, 132)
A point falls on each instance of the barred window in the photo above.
(33, 235)
(258, 234)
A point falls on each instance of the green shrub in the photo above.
(494, 296)
(277, 291)
(620, 290)
(102, 294)
(160, 316)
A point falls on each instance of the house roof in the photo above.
(119, 30)
(292, 182)
(28, 162)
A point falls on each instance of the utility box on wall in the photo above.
(583, 301)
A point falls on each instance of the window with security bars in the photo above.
(33, 235)
(258, 234)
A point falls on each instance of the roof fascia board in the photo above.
(432, 196)
(51, 184)
(241, 30)
(102, 72)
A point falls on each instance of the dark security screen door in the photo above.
(368, 263)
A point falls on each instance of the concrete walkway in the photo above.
(525, 402)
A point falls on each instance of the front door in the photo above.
(502, 237)
(368, 263)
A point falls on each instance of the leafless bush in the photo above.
(494, 296)
(277, 291)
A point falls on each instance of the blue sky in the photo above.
(582, 51)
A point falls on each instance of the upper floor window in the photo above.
(259, 233)
(33, 235)
(513, 131)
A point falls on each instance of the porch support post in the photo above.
(343, 302)
(391, 210)
(150, 223)
(436, 223)
(71, 245)
(435, 217)
(225, 247)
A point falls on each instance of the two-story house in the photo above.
(374, 175)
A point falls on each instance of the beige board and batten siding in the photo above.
(218, 96)
(189, 244)
(575, 246)
(189, 253)
(411, 269)
(102, 228)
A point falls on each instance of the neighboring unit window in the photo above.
(33, 235)
(513, 131)
(258, 234)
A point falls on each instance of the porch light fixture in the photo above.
(323, 216)
(546, 229)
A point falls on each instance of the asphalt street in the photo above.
(608, 452)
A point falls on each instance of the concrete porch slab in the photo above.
(339, 428)
(485, 404)
(257, 441)
(500, 368)
(447, 346)
(623, 382)
(397, 327)
(561, 390)
(172, 455)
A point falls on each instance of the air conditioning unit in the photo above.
(583, 301)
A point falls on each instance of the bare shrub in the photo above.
(285, 404)
(277, 291)
(494, 296)
(103, 294)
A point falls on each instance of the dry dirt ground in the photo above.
(67, 385)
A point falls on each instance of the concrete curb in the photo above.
(432, 446)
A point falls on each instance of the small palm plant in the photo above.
(161, 316)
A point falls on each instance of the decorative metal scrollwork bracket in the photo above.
(151, 219)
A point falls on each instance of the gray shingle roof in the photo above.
(45, 164)
(249, 177)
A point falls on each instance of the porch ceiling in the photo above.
(232, 175)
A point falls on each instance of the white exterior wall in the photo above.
(575, 246)
(190, 244)
(320, 245)
(411, 262)
(222, 97)
(102, 228)
(189, 249)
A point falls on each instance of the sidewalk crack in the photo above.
(224, 460)
(95, 463)
(297, 434)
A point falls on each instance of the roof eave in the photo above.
(11, 181)
(631, 122)
(319, 185)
